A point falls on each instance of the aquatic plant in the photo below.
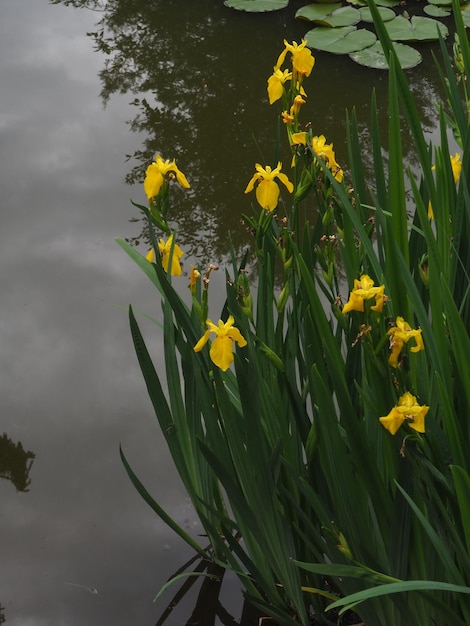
(322, 434)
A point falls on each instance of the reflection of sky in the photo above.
(70, 386)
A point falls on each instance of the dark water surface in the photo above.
(77, 544)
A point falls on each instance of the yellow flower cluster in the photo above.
(364, 290)
(302, 65)
(323, 150)
(407, 408)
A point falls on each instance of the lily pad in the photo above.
(433, 10)
(317, 11)
(415, 29)
(375, 58)
(342, 40)
(385, 14)
(256, 6)
(441, 3)
(389, 3)
(466, 16)
(332, 15)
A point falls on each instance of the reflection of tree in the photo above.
(197, 74)
(15, 463)
(2, 616)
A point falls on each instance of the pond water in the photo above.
(77, 544)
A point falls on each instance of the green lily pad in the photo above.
(375, 58)
(333, 15)
(466, 16)
(256, 6)
(433, 10)
(415, 29)
(385, 14)
(441, 3)
(317, 11)
(357, 3)
(388, 3)
(343, 40)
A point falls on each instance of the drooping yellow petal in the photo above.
(392, 421)
(202, 341)
(355, 303)
(252, 182)
(221, 352)
(285, 181)
(267, 194)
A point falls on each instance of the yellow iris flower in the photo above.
(164, 248)
(302, 59)
(456, 165)
(364, 290)
(221, 352)
(267, 190)
(401, 334)
(276, 84)
(324, 151)
(156, 173)
(406, 409)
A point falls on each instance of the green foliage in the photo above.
(328, 463)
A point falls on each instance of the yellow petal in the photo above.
(252, 182)
(202, 341)
(392, 421)
(221, 352)
(267, 194)
(275, 89)
(150, 256)
(299, 138)
(283, 178)
(181, 178)
(235, 335)
(153, 181)
(355, 303)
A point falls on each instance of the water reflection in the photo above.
(196, 76)
(15, 463)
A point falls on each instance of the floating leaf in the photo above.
(385, 14)
(332, 14)
(314, 12)
(323, 37)
(342, 40)
(466, 16)
(436, 11)
(256, 6)
(416, 29)
(388, 3)
(441, 3)
(358, 3)
(375, 58)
